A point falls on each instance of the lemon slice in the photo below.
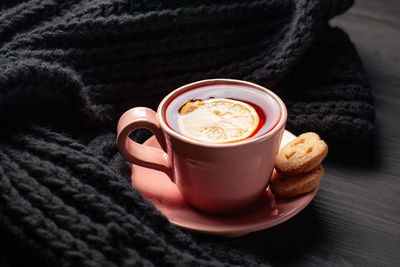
(218, 120)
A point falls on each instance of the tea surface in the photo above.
(266, 107)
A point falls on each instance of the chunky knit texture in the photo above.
(69, 69)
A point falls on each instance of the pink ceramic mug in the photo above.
(216, 178)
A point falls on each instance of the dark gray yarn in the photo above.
(69, 69)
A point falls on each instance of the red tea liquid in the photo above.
(265, 105)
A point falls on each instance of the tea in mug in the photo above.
(222, 113)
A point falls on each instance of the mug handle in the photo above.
(142, 155)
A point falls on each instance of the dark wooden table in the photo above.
(355, 218)
(360, 204)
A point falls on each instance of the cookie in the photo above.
(301, 155)
(292, 186)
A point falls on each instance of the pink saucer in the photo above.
(158, 189)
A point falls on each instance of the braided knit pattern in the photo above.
(69, 69)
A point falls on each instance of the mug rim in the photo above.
(274, 130)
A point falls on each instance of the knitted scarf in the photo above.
(69, 69)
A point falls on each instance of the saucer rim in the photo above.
(246, 229)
